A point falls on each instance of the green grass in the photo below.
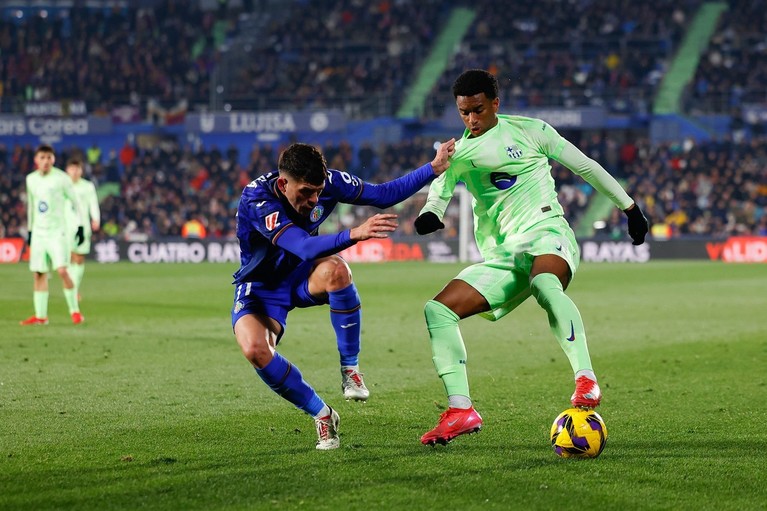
(149, 404)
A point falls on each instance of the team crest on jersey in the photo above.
(316, 213)
(238, 305)
(42, 207)
(271, 221)
(514, 151)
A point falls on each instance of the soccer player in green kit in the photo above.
(48, 190)
(90, 220)
(527, 245)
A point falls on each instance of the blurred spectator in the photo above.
(127, 155)
(193, 228)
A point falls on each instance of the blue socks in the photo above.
(346, 317)
(285, 379)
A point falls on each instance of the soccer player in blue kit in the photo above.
(286, 264)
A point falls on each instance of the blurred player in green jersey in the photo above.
(519, 226)
(48, 190)
(90, 220)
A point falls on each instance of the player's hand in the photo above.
(95, 226)
(441, 163)
(427, 223)
(80, 236)
(29, 238)
(638, 225)
(377, 226)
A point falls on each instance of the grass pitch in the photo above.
(149, 404)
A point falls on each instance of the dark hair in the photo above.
(303, 162)
(75, 160)
(44, 148)
(476, 81)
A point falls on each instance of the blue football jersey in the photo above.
(264, 214)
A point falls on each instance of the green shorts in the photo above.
(504, 278)
(85, 247)
(49, 252)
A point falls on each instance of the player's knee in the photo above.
(335, 273)
(438, 315)
(544, 286)
(258, 354)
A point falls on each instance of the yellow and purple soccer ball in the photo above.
(578, 433)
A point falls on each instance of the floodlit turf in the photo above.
(149, 404)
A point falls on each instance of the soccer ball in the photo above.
(578, 433)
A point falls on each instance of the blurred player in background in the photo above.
(285, 264)
(48, 190)
(90, 220)
(527, 245)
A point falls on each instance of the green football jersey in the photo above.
(47, 197)
(508, 174)
(89, 205)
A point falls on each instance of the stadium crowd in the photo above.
(123, 56)
(595, 52)
(711, 189)
(733, 70)
(359, 56)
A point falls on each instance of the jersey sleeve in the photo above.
(299, 242)
(93, 204)
(556, 147)
(71, 195)
(269, 218)
(397, 190)
(345, 187)
(440, 192)
(30, 203)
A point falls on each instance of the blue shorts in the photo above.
(275, 302)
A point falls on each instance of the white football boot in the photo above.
(327, 431)
(353, 385)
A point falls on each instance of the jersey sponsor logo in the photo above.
(502, 181)
(316, 213)
(514, 151)
(271, 221)
(42, 207)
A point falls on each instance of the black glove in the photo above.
(428, 223)
(29, 238)
(638, 225)
(80, 236)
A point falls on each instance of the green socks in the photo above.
(447, 348)
(40, 299)
(564, 319)
(449, 352)
(70, 295)
(76, 273)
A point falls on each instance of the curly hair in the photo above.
(303, 162)
(476, 81)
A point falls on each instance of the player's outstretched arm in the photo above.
(392, 192)
(637, 224)
(377, 226)
(441, 161)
